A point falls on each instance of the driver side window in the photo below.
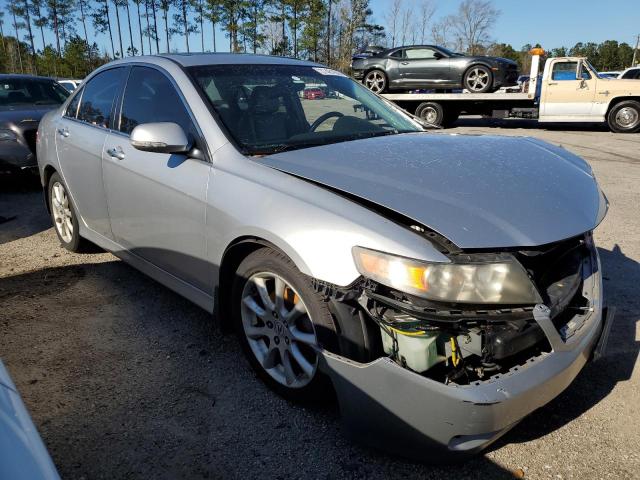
(151, 97)
(565, 71)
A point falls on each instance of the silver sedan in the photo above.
(445, 286)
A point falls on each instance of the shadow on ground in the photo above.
(22, 210)
(124, 378)
(514, 123)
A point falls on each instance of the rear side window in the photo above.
(151, 97)
(419, 53)
(97, 101)
(565, 71)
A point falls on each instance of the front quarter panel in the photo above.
(316, 228)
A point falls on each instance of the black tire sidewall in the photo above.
(489, 86)
(75, 243)
(268, 260)
(611, 117)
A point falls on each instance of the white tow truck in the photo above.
(569, 90)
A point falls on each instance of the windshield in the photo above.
(450, 53)
(26, 91)
(273, 108)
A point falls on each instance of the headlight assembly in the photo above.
(483, 278)
(8, 136)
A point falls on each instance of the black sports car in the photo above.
(24, 99)
(433, 67)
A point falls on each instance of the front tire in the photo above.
(281, 322)
(478, 79)
(376, 81)
(625, 117)
(63, 215)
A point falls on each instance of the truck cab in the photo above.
(572, 91)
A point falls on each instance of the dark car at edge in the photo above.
(24, 99)
(432, 67)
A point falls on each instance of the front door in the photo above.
(424, 67)
(80, 137)
(569, 91)
(157, 200)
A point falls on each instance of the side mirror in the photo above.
(160, 137)
(438, 55)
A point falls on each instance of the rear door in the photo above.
(569, 90)
(156, 200)
(420, 66)
(80, 136)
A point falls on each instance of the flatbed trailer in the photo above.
(568, 90)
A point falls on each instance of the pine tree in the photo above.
(212, 12)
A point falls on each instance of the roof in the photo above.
(7, 76)
(195, 59)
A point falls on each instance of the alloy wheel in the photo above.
(375, 81)
(477, 80)
(279, 329)
(62, 214)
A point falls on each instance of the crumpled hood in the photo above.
(477, 191)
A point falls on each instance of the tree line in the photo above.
(326, 31)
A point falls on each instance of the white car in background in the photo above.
(632, 73)
(70, 84)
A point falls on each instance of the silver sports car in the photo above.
(445, 285)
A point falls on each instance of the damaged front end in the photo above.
(447, 378)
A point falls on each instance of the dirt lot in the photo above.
(125, 379)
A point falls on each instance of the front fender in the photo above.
(315, 227)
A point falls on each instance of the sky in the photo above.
(552, 23)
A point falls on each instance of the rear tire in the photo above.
(430, 112)
(280, 320)
(478, 79)
(64, 217)
(624, 117)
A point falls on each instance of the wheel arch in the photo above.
(616, 100)
(237, 250)
(47, 173)
(476, 63)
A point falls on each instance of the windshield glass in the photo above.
(273, 108)
(25, 91)
(450, 53)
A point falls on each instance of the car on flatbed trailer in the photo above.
(569, 90)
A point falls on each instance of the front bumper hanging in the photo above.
(389, 407)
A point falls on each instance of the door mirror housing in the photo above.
(160, 137)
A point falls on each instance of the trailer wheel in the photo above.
(430, 112)
(478, 79)
(435, 114)
(625, 117)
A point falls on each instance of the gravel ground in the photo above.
(125, 379)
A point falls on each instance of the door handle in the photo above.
(63, 132)
(552, 83)
(116, 153)
(404, 63)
